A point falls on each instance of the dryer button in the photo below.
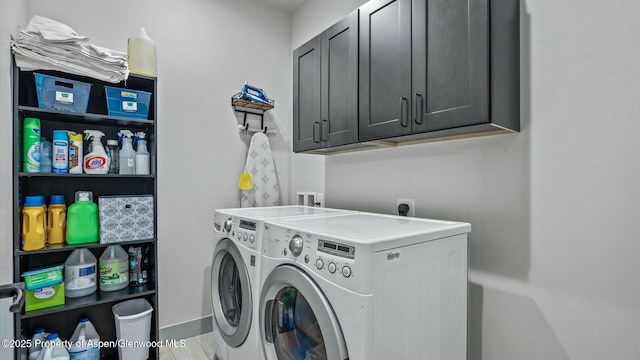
(252, 239)
(239, 235)
(306, 259)
(346, 271)
(319, 264)
(332, 267)
(245, 237)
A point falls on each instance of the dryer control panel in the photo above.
(332, 259)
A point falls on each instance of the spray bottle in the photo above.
(96, 162)
(142, 155)
(127, 155)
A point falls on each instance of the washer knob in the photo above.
(332, 267)
(319, 264)
(227, 225)
(346, 271)
(252, 238)
(295, 245)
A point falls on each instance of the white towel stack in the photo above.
(46, 44)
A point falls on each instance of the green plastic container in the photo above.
(31, 145)
(82, 220)
(35, 279)
(44, 297)
(44, 288)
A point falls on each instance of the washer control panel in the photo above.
(245, 232)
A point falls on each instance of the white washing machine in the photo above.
(235, 275)
(364, 286)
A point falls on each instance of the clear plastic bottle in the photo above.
(80, 274)
(142, 155)
(85, 341)
(114, 269)
(53, 349)
(45, 155)
(114, 153)
(127, 156)
(38, 339)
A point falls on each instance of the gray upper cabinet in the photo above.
(306, 96)
(449, 64)
(385, 69)
(425, 69)
(325, 100)
(438, 68)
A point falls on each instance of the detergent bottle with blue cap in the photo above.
(33, 223)
(56, 220)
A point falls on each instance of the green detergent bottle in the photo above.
(82, 220)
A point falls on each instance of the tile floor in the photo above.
(197, 348)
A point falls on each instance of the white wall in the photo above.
(206, 50)
(11, 15)
(554, 245)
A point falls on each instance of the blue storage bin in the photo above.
(127, 103)
(61, 94)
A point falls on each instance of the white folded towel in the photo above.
(50, 45)
(52, 30)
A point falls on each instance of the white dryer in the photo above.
(235, 276)
(364, 286)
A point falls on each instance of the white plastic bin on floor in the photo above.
(133, 324)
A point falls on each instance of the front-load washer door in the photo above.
(296, 320)
(231, 293)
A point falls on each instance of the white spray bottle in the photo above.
(127, 155)
(142, 155)
(97, 161)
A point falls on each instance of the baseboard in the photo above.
(187, 329)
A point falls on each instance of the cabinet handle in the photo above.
(419, 115)
(325, 130)
(316, 132)
(403, 116)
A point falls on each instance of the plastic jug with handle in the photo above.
(82, 220)
(141, 51)
(56, 220)
(33, 223)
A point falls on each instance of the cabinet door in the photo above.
(306, 96)
(340, 82)
(385, 69)
(450, 64)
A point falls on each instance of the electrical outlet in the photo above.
(412, 206)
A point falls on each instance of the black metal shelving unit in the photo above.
(63, 319)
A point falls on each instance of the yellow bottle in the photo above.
(56, 220)
(33, 220)
(141, 51)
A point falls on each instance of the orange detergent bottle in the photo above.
(56, 220)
